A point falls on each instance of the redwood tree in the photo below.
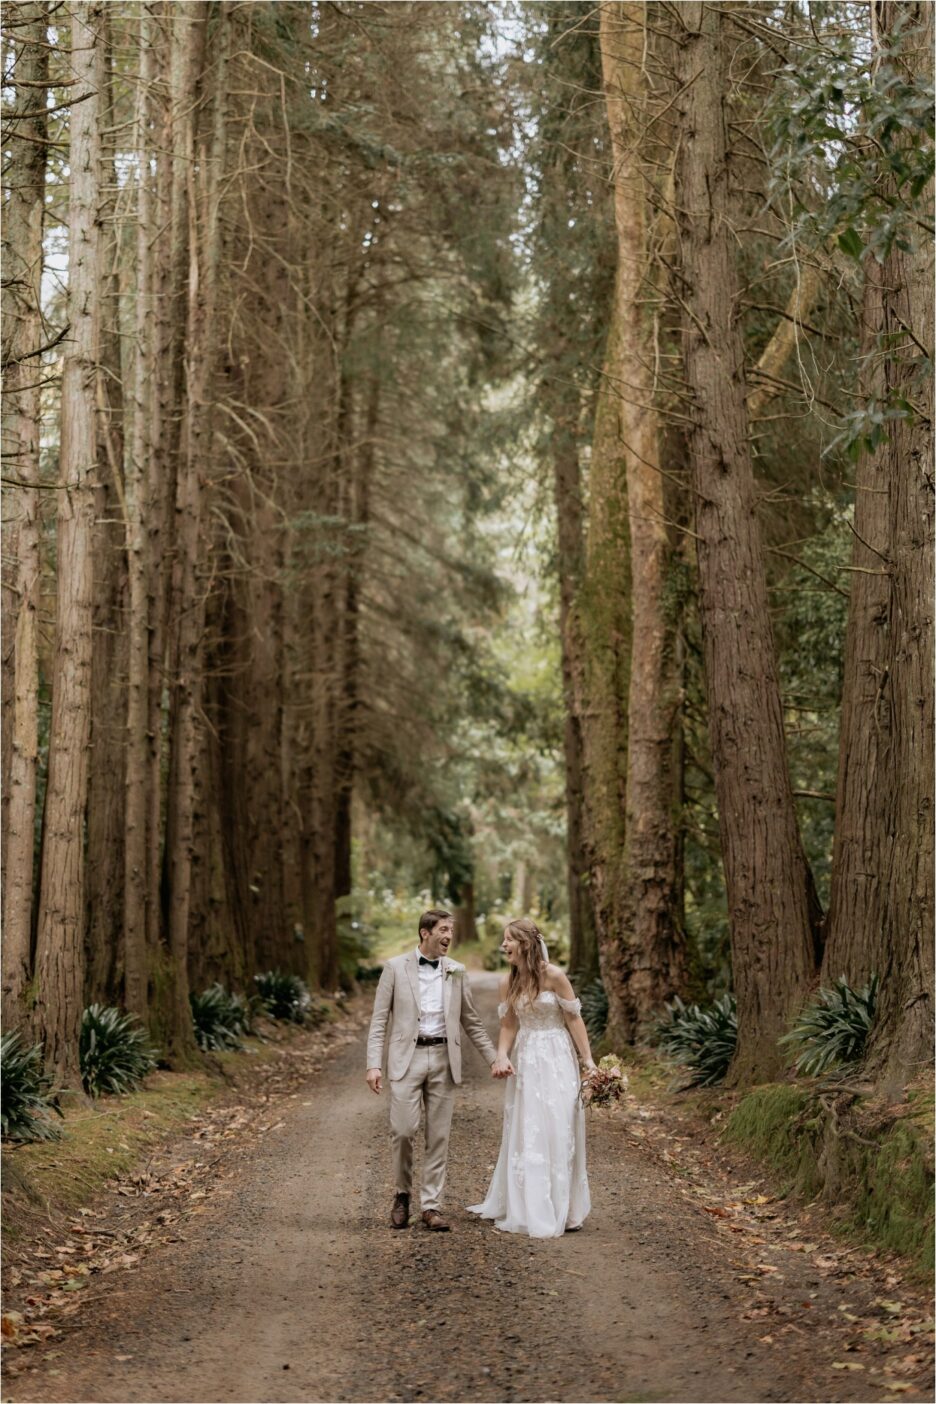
(772, 908)
(652, 954)
(59, 969)
(196, 71)
(22, 373)
(882, 911)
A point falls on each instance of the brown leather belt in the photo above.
(422, 1042)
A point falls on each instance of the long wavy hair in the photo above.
(528, 976)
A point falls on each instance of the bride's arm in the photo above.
(509, 1024)
(571, 1009)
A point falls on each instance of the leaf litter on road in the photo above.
(177, 1183)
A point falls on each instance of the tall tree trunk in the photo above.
(856, 934)
(320, 908)
(650, 929)
(325, 579)
(105, 837)
(138, 478)
(465, 927)
(22, 372)
(250, 684)
(769, 886)
(362, 460)
(567, 490)
(59, 945)
(570, 134)
(901, 1043)
(606, 633)
(188, 612)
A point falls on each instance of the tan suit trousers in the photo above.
(426, 1086)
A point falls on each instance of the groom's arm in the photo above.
(377, 1033)
(473, 1026)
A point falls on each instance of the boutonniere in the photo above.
(456, 971)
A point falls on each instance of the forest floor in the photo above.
(251, 1259)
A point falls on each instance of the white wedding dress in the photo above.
(540, 1186)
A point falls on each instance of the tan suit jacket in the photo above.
(394, 1025)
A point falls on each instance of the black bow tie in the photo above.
(424, 961)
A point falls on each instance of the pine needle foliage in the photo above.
(219, 1017)
(114, 1051)
(833, 1030)
(25, 1101)
(703, 1039)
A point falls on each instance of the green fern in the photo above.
(219, 1018)
(703, 1040)
(833, 1030)
(114, 1051)
(594, 1008)
(25, 1102)
(285, 996)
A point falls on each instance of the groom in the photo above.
(426, 997)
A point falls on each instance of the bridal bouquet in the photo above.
(605, 1084)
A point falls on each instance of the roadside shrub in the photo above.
(834, 1029)
(25, 1102)
(492, 959)
(285, 996)
(219, 1018)
(594, 999)
(703, 1040)
(114, 1051)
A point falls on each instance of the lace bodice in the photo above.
(547, 1011)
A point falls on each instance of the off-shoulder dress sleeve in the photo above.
(502, 1009)
(571, 1006)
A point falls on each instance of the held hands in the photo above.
(373, 1079)
(501, 1067)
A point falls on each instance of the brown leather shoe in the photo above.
(399, 1214)
(434, 1220)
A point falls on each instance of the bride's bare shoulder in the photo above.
(558, 981)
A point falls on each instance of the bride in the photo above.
(539, 1186)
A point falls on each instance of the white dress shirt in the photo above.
(431, 1000)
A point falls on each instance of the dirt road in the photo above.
(290, 1285)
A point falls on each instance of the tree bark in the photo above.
(465, 927)
(138, 479)
(567, 491)
(856, 936)
(770, 898)
(255, 814)
(188, 613)
(22, 371)
(361, 461)
(106, 793)
(901, 1043)
(169, 254)
(606, 632)
(59, 945)
(650, 930)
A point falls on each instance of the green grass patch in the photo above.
(98, 1142)
(111, 1135)
(893, 1199)
(771, 1121)
(875, 1166)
